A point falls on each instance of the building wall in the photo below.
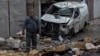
(16, 15)
(96, 8)
(36, 7)
(90, 8)
(30, 5)
(3, 18)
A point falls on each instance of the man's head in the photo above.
(31, 13)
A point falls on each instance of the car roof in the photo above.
(69, 4)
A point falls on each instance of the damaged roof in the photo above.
(68, 4)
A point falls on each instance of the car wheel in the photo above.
(71, 32)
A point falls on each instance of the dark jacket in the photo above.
(31, 24)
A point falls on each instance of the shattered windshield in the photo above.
(60, 11)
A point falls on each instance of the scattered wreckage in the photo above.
(64, 18)
(81, 47)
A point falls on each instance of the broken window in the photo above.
(65, 12)
(53, 9)
(60, 11)
(76, 13)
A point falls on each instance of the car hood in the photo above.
(53, 19)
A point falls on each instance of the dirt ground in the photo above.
(93, 30)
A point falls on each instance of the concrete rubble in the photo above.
(83, 47)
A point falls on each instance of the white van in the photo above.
(65, 18)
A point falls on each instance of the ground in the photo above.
(93, 30)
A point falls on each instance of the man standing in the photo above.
(31, 25)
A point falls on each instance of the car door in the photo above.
(83, 17)
(76, 20)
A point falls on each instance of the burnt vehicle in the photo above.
(64, 18)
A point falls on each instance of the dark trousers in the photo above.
(31, 38)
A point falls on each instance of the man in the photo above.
(31, 26)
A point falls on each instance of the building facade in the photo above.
(96, 8)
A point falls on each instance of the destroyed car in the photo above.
(64, 18)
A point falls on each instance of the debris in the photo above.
(74, 55)
(89, 39)
(47, 40)
(60, 48)
(97, 41)
(34, 53)
(60, 38)
(10, 41)
(2, 39)
(90, 46)
(80, 45)
(13, 43)
(10, 51)
(16, 43)
(77, 52)
(3, 52)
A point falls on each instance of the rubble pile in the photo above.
(76, 48)
(82, 48)
(13, 53)
(7, 53)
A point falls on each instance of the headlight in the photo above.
(65, 26)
